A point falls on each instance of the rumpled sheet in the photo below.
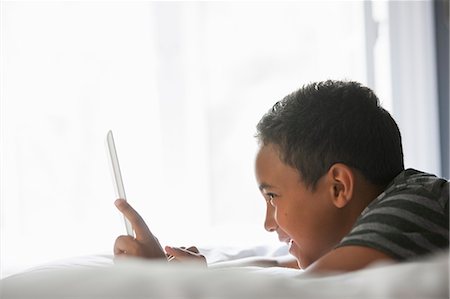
(137, 278)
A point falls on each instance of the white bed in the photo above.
(98, 276)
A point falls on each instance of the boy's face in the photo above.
(306, 218)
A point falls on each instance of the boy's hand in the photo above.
(145, 244)
(182, 254)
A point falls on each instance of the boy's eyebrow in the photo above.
(264, 186)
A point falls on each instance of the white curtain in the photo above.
(181, 84)
(405, 77)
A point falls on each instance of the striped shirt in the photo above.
(409, 219)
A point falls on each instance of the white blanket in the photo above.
(98, 277)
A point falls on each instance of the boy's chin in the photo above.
(303, 263)
(302, 260)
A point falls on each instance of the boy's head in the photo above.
(321, 147)
(334, 122)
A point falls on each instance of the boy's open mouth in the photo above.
(286, 240)
(291, 246)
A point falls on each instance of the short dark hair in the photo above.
(330, 122)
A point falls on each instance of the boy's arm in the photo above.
(348, 258)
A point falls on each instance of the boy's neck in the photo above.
(363, 194)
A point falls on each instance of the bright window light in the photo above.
(181, 84)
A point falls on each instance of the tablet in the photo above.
(117, 177)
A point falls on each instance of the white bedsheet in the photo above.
(98, 277)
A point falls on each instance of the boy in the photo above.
(330, 167)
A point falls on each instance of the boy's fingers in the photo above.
(184, 254)
(178, 252)
(193, 249)
(140, 227)
(122, 245)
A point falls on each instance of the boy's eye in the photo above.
(270, 198)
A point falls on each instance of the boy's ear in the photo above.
(342, 180)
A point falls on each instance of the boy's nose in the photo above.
(270, 224)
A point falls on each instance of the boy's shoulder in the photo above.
(410, 218)
(415, 179)
(413, 186)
